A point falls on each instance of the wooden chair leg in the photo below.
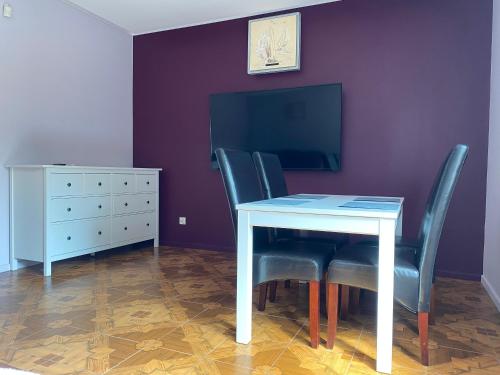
(287, 284)
(354, 300)
(333, 301)
(262, 297)
(314, 313)
(432, 313)
(344, 302)
(325, 280)
(423, 333)
(272, 291)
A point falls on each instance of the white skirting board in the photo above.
(4, 267)
(492, 293)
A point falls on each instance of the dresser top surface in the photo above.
(71, 167)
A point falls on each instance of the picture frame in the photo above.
(274, 44)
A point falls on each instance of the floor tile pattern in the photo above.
(131, 311)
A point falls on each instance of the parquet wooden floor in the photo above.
(131, 312)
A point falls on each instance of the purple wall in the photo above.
(416, 79)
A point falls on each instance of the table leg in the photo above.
(244, 279)
(385, 295)
(399, 225)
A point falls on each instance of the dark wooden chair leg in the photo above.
(423, 333)
(354, 300)
(325, 281)
(272, 290)
(314, 313)
(432, 313)
(333, 301)
(287, 284)
(262, 297)
(344, 302)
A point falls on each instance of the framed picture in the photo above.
(274, 44)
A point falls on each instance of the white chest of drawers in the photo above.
(58, 212)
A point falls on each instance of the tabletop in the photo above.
(321, 204)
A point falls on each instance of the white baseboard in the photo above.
(5, 267)
(492, 293)
(20, 264)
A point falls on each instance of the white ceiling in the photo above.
(146, 16)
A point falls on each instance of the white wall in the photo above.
(65, 92)
(491, 267)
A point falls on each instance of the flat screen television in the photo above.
(301, 125)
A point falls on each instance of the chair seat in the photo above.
(403, 245)
(287, 259)
(357, 266)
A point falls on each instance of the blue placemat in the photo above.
(377, 199)
(307, 196)
(371, 205)
(284, 202)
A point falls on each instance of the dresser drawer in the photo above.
(130, 203)
(145, 202)
(123, 183)
(125, 228)
(97, 183)
(64, 184)
(78, 235)
(146, 182)
(124, 204)
(63, 209)
(147, 224)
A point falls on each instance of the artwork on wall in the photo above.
(274, 44)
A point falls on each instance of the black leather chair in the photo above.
(357, 265)
(271, 174)
(274, 185)
(273, 260)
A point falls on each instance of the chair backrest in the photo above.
(240, 180)
(273, 183)
(434, 217)
(271, 175)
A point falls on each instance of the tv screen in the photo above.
(301, 125)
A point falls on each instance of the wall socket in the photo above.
(7, 10)
(182, 220)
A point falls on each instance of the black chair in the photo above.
(271, 174)
(357, 265)
(274, 185)
(272, 260)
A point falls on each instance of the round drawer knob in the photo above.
(68, 238)
(147, 224)
(99, 233)
(147, 182)
(147, 202)
(125, 183)
(100, 206)
(125, 228)
(68, 184)
(126, 204)
(68, 209)
(99, 184)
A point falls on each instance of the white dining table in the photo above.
(380, 216)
